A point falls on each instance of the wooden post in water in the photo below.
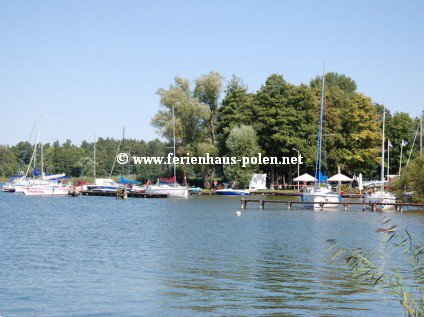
(289, 206)
(345, 206)
(243, 203)
(261, 204)
(321, 206)
(372, 206)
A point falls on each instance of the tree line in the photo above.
(278, 120)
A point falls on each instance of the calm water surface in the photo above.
(99, 256)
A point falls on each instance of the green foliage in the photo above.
(412, 180)
(242, 142)
(236, 109)
(284, 117)
(406, 285)
(8, 162)
(195, 117)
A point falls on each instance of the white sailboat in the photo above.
(320, 193)
(104, 185)
(47, 185)
(381, 198)
(169, 187)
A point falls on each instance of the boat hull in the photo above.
(381, 203)
(171, 192)
(45, 191)
(232, 192)
(313, 200)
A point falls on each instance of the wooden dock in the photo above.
(399, 206)
(121, 194)
(276, 193)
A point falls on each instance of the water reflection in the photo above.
(98, 256)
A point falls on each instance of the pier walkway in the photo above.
(399, 206)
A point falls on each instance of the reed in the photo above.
(406, 285)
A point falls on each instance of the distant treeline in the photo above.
(277, 120)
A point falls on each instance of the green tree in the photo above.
(241, 142)
(236, 109)
(351, 126)
(285, 116)
(411, 180)
(207, 90)
(401, 127)
(195, 117)
(8, 162)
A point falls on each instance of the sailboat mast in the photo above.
(94, 158)
(382, 151)
(388, 160)
(421, 135)
(318, 158)
(119, 146)
(42, 153)
(173, 131)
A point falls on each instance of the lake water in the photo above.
(99, 256)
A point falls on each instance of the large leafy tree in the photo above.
(195, 113)
(401, 127)
(241, 142)
(284, 118)
(236, 109)
(351, 128)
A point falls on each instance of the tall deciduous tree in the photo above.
(195, 112)
(236, 109)
(241, 142)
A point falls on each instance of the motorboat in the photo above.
(232, 192)
(104, 185)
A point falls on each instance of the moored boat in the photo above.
(381, 199)
(46, 190)
(104, 185)
(319, 193)
(168, 187)
(233, 192)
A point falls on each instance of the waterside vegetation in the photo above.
(275, 121)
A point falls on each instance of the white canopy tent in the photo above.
(339, 177)
(305, 178)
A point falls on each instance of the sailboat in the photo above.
(381, 197)
(47, 185)
(104, 185)
(169, 186)
(320, 193)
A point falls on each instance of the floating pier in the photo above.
(399, 206)
(121, 194)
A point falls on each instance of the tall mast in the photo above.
(382, 150)
(42, 154)
(94, 158)
(173, 131)
(421, 134)
(388, 159)
(319, 151)
(35, 146)
(119, 146)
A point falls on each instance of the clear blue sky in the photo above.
(93, 67)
